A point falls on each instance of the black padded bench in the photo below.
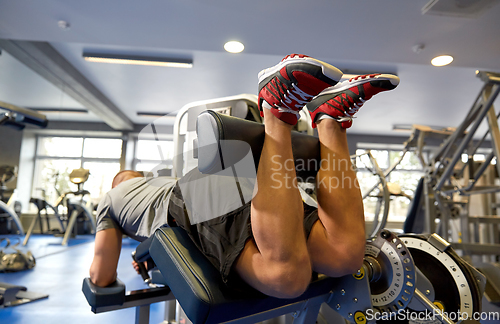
(198, 287)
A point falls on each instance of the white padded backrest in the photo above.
(185, 126)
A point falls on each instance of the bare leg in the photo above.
(336, 243)
(277, 261)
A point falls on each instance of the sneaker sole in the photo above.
(387, 77)
(328, 70)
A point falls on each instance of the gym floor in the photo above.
(59, 272)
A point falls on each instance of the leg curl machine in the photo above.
(413, 275)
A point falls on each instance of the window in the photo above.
(403, 181)
(56, 157)
(153, 156)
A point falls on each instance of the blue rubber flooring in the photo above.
(59, 272)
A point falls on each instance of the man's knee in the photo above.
(350, 258)
(281, 275)
(289, 281)
(353, 263)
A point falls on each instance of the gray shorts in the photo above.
(222, 239)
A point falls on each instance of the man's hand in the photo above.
(136, 266)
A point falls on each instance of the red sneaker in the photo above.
(342, 101)
(289, 85)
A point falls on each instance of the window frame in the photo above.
(82, 160)
(81, 157)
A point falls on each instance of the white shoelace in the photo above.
(349, 113)
(352, 110)
(293, 94)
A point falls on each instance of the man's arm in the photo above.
(108, 244)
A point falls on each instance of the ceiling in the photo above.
(355, 35)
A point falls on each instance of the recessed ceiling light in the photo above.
(234, 47)
(442, 60)
(63, 24)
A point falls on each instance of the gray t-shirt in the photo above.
(137, 206)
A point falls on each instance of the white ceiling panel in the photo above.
(353, 35)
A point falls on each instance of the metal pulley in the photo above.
(391, 272)
(448, 289)
(420, 279)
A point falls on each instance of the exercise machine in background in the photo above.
(452, 187)
(45, 211)
(79, 209)
(77, 217)
(9, 207)
(14, 295)
(458, 197)
(17, 118)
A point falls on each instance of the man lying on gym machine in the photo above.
(275, 242)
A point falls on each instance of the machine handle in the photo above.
(142, 269)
